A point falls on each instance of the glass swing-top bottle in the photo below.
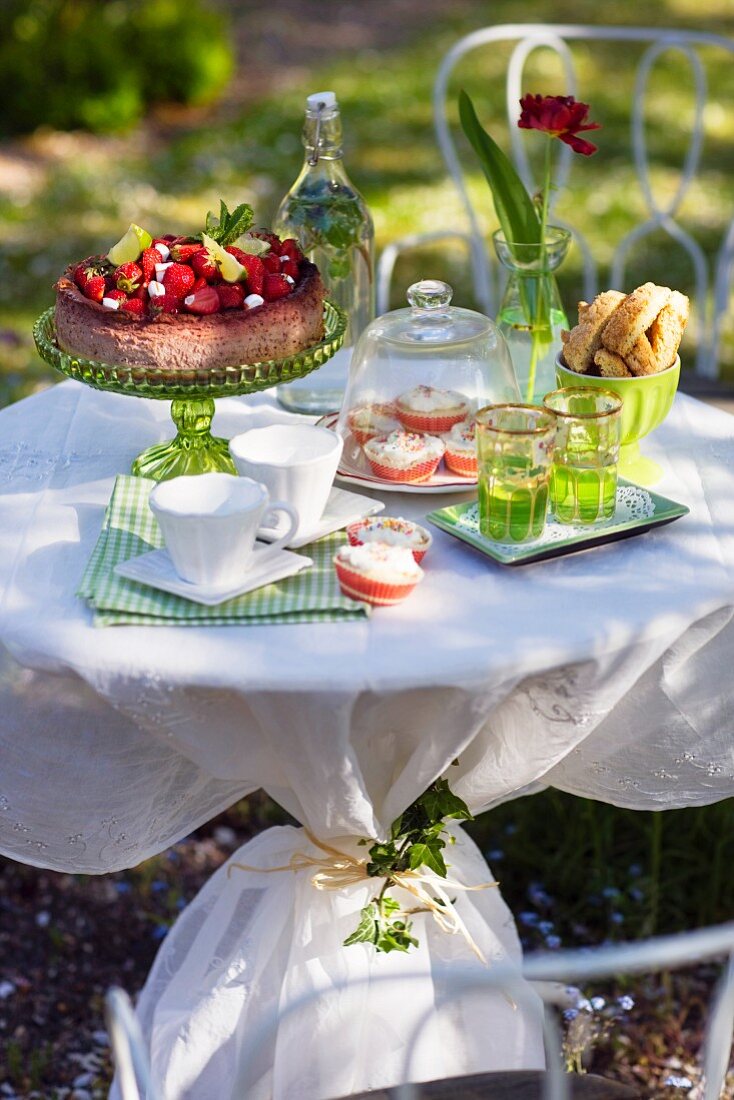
(329, 218)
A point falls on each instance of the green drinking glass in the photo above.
(515, 454)
(583, 486)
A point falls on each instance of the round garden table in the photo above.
(606, 674)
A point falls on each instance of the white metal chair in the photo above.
(712, 280)
(543, 970)
(128, 1048)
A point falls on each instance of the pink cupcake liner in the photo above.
(368, 590)
(461, 463)
(420, 471)
(427, 422)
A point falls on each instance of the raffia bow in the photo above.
(337, 869)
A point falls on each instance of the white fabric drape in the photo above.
(606, 674)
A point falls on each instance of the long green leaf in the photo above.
(517, 214)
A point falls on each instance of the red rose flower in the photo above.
(560, 116)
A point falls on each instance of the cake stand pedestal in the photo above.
(194, 450)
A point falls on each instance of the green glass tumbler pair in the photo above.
(565, 452)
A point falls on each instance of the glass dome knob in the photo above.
(430, 294)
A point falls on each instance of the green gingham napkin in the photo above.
(130, 528)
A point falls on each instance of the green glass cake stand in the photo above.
(191, 393)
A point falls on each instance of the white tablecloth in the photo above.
(605, 673)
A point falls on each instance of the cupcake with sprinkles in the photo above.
(427, 409)
(377, 573)
(367, 421)
(461, 449)
(392, 530)
(404, 456)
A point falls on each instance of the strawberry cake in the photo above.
(227, 297)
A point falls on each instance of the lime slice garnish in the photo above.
(129, 247)
(253, 246)
(231, 268)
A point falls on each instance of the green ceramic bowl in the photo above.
(646, 402)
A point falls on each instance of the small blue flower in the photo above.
(636, 894)
(635, 870)
(597, 1003)
(529, 918)
(553, 942)
(538, 895)
(584, 1005)
(510, 829)
(616, 918)
(570, 1014)
(160, 932)
(545, 927)
(123, 887)
(158, 887)
(495, 855)
(610, 893)
(676, 1082)
(626, 1003)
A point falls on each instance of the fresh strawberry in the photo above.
(290, 267)
(81, 275)
(141, 293)
(135, 306)
(183, 251)
(290, 247)
(147, 262)
(118, 295)
(231, 295)
(266, 235)
(204, 267)
(255, 269)
(239, 254)
(205, 300)
(271, 263)
(200, 282)
(178, 280)
(167, 303)
(87, 269)
(275, 286)
(127, 277)
(95, 288)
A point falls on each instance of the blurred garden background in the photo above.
(151, 111)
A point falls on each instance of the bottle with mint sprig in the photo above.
(328, 217)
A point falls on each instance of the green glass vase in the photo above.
(531, 314)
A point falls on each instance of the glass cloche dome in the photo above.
(417, 378)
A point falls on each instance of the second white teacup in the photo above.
(209, 523)
(297, 463)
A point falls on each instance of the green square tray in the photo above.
(637, 510)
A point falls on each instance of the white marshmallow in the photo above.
(289, 279)
(156, 289)
(110, 303)
(163, 249)
(253, 300)
(161, 269)
(190, 300)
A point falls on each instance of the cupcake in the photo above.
(425, 409)
(377, 573)
(461, 449)
(404, 456)
(391, 531)
(367, 421)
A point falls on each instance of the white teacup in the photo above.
(297, 463)
(209, 523)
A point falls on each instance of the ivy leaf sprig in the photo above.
(228, 227)
(417, 839)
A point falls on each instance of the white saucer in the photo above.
(342, 508)
(156, 569)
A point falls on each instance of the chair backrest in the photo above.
(128, 1048)
(712, 277)
(543, 971)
